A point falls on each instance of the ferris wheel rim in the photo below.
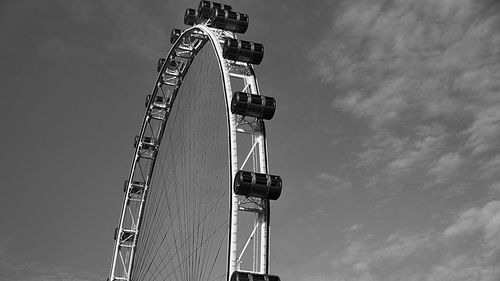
(232, 141)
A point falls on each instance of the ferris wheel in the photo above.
(197, 199)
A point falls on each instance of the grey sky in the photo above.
(386, 133)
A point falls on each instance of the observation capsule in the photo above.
(136, 187)
(206, 8)
(229, 20)
(191, 17)
(257, 106)
(125, 186)
(247, 276)
(148, 143)
(174, 35)
(127, 236)
(161, 62)
(158, 103)
(253, 184)
(243, 51)
(172, 67)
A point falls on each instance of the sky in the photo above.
(385, 133)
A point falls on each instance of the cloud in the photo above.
(383, 105)
(355, 227)
(464, 268)
(431, 255)
(402, 246)
(473, 220)
(427, 140)
(394, 249)
(485, 130)
(425, 77)
(320, 277)
(444, 168)
(405, 63)
(382, 147)
(30, 271)
(395, 158)
(366, 259)
(467, 249)
(477, 229)
(495, 187)
(13, 269)
(490, 167)
(327, 184)
(407, 67)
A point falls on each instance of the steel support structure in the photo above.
(247, 142)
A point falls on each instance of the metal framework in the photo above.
(247, 150)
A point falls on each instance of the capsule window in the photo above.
(256, 99)
(259, 277)
(261, 179)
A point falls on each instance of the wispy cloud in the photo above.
(421, 150)
(490, 167)
(382, 147)
(484, 132)
(425, 76)
(495, 188)
(463, 268)
(485, 219)
(395, 248)
(327, 184)
(411, 61)
(355, 227)
(13, 270)
(468, 248)
(446, 166)
(480, 228)
(426, 142)
(383, 106)
(365, 258)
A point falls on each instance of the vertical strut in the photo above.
(233, 228)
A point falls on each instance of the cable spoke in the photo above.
(185, 221)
